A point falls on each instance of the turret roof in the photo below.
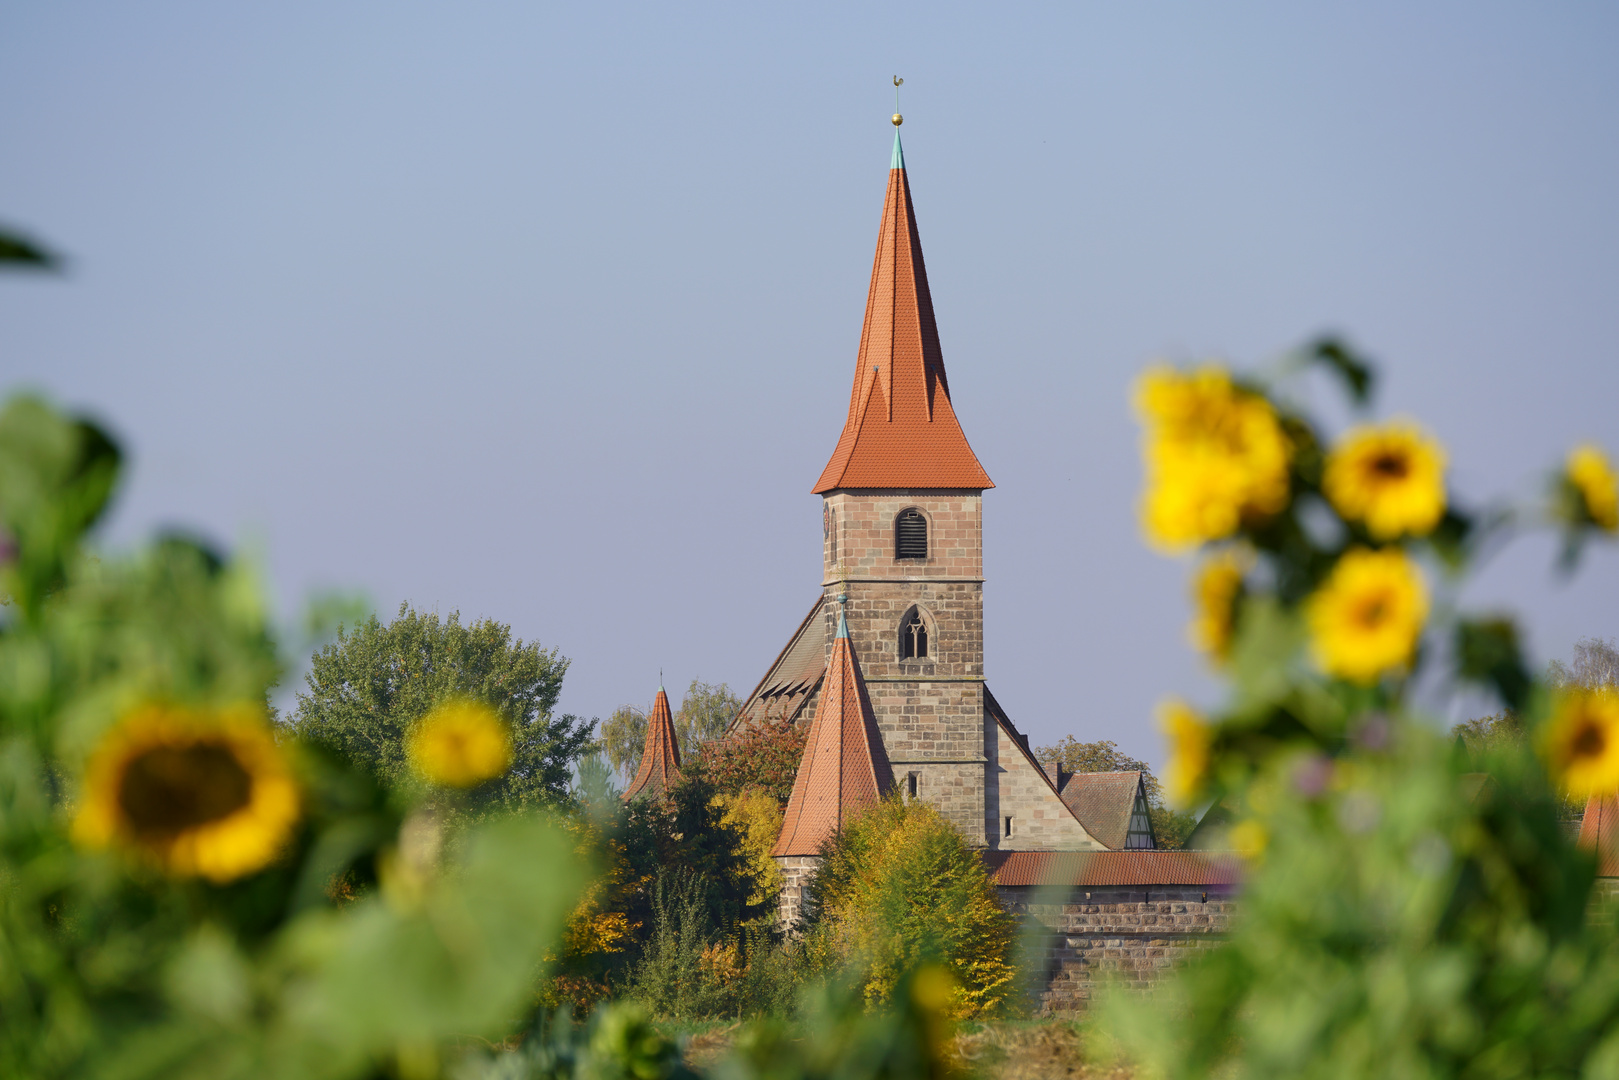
(844, 769)
(902, 431)
(660, 761)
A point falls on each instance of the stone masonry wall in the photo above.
(1017, 790)
(796, 871)
(1123, 936)
(929, 711)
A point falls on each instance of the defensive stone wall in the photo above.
(1122, 936)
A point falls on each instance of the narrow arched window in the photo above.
(910, 535)
(913, 636)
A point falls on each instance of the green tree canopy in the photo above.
(369, 687)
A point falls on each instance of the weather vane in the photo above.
(898, 119)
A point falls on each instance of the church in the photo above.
(887, 669)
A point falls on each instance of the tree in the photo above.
(705, 713)
(369, 687)
(900, 886)
(1170, 827)
(756, 757)
(623, 739)
(1596, 665)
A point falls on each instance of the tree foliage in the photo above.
(368, 688)
(623, 739)
(756, 757)
(900, 887)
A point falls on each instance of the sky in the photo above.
(547, 312)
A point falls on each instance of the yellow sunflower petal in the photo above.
(1581, 742)
(1367, 618)
(461, 744)
(1391, 478)
(1592, 475)
(199, 792)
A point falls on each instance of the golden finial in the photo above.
(898, 119)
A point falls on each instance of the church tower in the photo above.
(886, 671)
(901, 500)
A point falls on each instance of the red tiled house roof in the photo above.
(1110, 868)
(844, 769)
(902, 431)
(660, 761)
(1103, 803)
(1599, 831)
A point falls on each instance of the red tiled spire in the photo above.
(844, 769)
(902, 431)
(660, 761)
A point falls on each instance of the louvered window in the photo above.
(913, 636)
(910, 535)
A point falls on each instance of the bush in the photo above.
(900, 887)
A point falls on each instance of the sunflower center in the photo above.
(1373, 610)
(1391, 466)
(170, 789)
(1590, 742)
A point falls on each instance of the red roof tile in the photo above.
(660, 761)
(1599, 831)
(844, 769)
(1110, 868)
(1103, 802)
(902, 431)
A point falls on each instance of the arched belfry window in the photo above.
(913, 636)
(910, 535)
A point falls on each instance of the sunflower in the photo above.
(1249, 839)
(1190, 738)
(1368, 615)
(461, 744)
(1215, 455)
(1215, 589)
(1390, 478)
(1581, 742)
(1591, 475)
(201, 792)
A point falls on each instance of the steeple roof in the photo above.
(844, 769)
(902, 431)
(660, 761)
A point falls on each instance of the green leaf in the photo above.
(20, 250)
(1355, 370)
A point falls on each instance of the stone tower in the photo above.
(887, 669)
(903, 533)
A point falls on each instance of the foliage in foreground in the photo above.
(1411, 907)
(181, 894)
(898, 887)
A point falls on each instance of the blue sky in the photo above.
(548, 312)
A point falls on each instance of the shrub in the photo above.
(899, 887)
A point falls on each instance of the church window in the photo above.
(1139, 835)
(913, 636)
(910, 784)
(1009, 828)
(910, 535)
